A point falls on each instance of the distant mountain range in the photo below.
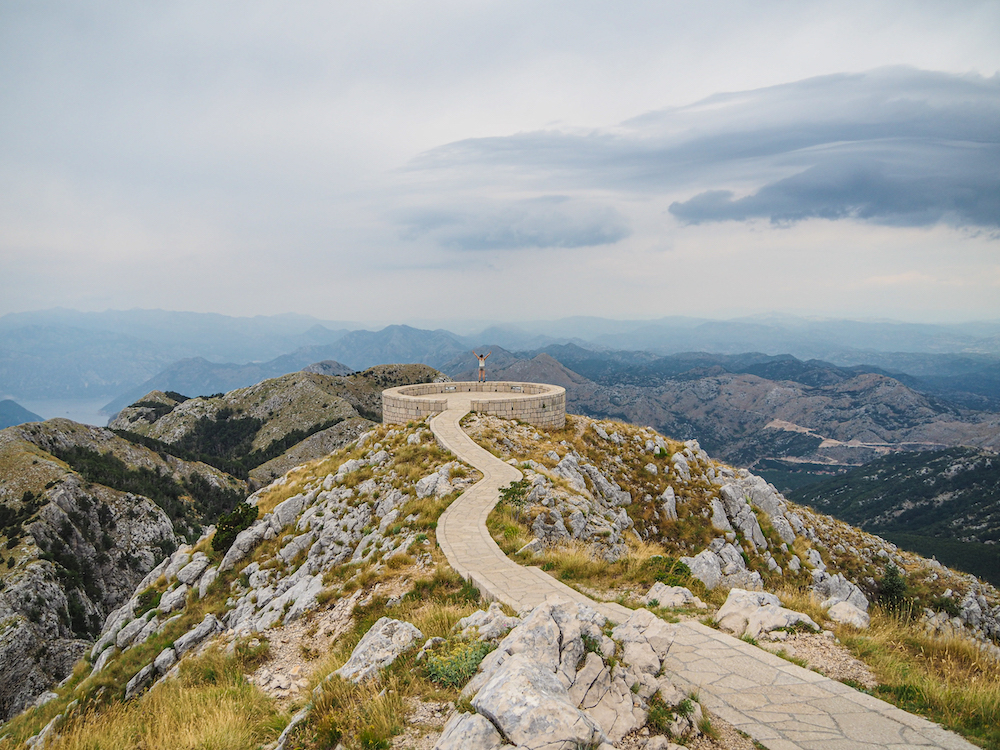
(809, 395)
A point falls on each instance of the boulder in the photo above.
(719, 520)
(379, 647)
(668, 504)
(705, 566)
(490, 625)
(672, 596)
(127, 635)
(469, 732)
(740, 604)
(142, 679)
(193, 570)
(173, 600)
(836, 588)
(752, 613)
(532, 709)
(197, 635)
(244, 543)
(847, 614)
(165, 660)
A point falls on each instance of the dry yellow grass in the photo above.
(211, 707)
(941, 676)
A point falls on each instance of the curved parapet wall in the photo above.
(539, 404)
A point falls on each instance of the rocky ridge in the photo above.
(332, 532)
(730, 527)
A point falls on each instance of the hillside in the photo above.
(338, 569)
(12, 414)
(926, 499)
(86, 512)
(84, 515)
(243, 429)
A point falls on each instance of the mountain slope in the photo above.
(84, 516)
(199, 377)
(13, 414)
(950, 496)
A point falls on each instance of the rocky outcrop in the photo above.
(662, 595)
(97, 544)
(723, 565)
(379, 647)
(753, 613)
(549, 683)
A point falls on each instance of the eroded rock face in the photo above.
(847, 614)
(531, 707)
(469, 732)
(672, 596)
(46, 622)
(723, 565)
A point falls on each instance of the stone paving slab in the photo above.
(777, 703)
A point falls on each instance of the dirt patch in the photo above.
(826, 655)
(424, 722)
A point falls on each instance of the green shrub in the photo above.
(231, 524)
(669, 570)
(515, 495)
(455, 667)
(892, 589)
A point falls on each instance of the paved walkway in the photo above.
(777, 703)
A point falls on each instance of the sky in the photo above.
(398, 161)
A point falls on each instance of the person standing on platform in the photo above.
(482, 365)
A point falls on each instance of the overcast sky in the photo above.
(394, 161)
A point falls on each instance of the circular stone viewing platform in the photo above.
(539, 404)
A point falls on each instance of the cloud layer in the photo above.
(896, 146)
(546, 221)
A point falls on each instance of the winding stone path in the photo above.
(779, 704)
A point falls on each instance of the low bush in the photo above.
(454, 666)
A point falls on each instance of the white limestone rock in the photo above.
(379, 647)
(173, 600)
(469, 732)
(672, 596)
(847, 614)
(142, 679)
(193, 570)
(532, 709)
(753, 613)
(486, 626)
(197, 635)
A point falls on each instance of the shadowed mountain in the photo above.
(13, 414)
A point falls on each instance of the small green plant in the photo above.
(455, 666)
(591, 645)
(231, 524)
(515, 495)
(660, 716)
(892, 589)
(748, 639)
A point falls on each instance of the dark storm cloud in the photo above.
(548, 221)
(894, 146)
